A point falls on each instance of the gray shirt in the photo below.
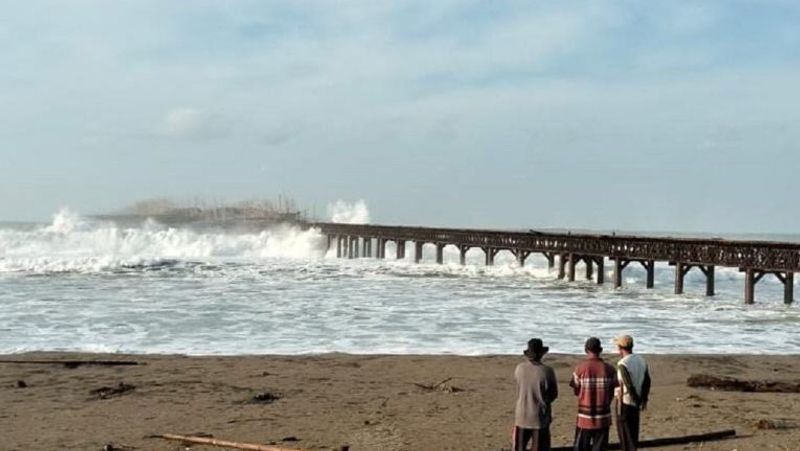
(637, 370)
(537, 388)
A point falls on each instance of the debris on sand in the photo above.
(443, 386)
(113, 447)
(765, 424)
(189, 440)
(265, 398)
(733, 384)
(110, 392)
(72, 364)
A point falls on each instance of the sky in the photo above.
(657, 115)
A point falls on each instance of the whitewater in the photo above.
(79, 284)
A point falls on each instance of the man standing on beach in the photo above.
(632, 394)
(537, 388)
(593, 382)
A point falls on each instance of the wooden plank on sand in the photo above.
(227, 444)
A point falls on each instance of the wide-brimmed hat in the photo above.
(536, 347)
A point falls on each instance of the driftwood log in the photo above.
(228, 444)
(684, 439)
(74, 363)
(733, 384)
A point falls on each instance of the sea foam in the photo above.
(79, 284)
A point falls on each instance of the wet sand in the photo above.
(367, 402)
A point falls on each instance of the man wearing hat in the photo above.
(593, 381)
(632, 394)
(537, 388)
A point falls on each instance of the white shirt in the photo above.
(637, 368)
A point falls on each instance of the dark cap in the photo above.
(593, 345)
(536, 347)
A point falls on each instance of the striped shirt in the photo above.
(594, 382)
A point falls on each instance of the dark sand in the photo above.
(367, 402)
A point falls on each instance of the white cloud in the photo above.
(192, 123)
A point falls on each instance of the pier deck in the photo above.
(755, 258)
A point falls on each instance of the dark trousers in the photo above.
(591, 439)
(628, 427)
(538, 438)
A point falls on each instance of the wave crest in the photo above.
(72, 243)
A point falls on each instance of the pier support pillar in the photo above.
(681, 269)
(788, 288)
(571, 267)
(650, 269)
(440, 253)
(401, 249)
(380, 250)
(355, 246)
(418, 251)
(551, 260)
(462, 250)
(562, 265)
(490, 253)
(601, 272)
(521, 256)
(750, 286)
(709, 272)
(680, 273)
(589, 261)
(350, 246)
(338, 247)
(619, 267)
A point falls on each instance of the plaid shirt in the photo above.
(594, 382)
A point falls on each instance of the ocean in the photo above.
(79, 284)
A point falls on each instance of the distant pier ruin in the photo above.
(245, 215)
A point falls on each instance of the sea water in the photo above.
(82, 285)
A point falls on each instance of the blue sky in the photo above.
(658, 115)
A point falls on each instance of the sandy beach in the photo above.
(367, 402)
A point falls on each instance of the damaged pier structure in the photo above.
(755, 259)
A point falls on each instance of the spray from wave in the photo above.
(349, 213)
(72, 243)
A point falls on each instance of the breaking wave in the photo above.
(79, 284)
(72, 243)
